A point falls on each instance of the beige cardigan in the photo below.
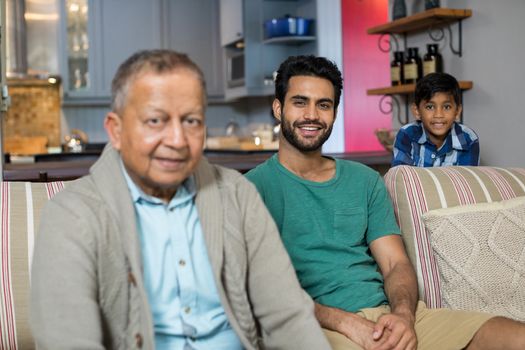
(87, 287)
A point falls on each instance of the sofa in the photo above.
(415, 192)
(20, 206)
(464, 231)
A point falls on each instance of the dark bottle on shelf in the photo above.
(432, 61)
(399, 9)
(396, 69)
(412, 68)
(430, 4)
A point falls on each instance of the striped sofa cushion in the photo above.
(20, 205)
(415, 191)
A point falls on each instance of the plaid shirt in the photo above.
(412, 147)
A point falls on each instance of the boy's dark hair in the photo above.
(433, 83)
(308, 65)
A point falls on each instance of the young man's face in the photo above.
(437, 115)
(160, 130)
(308, 114)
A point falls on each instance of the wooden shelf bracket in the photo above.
(389, 104)
(441, 36)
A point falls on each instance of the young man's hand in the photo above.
(392, 331)
(396, 331)
(361, 331)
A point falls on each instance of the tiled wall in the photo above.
(34, 110)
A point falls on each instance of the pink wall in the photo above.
(365, 67)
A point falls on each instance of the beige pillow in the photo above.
(480, 252)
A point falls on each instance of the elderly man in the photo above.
(156, 248)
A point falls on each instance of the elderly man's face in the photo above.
(160, 131)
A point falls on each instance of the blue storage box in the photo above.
(288, 26)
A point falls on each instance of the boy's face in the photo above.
(437, 115)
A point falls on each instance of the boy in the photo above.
(435, 138)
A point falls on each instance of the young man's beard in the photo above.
(294, 140)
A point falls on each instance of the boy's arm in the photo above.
(402, 149)
(474, 152)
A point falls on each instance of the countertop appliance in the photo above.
(235, 67)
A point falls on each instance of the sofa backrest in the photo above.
(20, 207)
(414, 191)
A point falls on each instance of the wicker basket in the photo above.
(386, 137)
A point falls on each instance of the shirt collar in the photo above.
(184, 193)
(455, 139)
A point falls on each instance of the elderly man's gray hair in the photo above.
(155, 61)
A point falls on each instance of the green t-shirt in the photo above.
(327, 227)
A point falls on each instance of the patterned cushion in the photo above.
(480, 252)
(415, 191)
(20, 205)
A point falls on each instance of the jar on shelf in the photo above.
(396, 69)
(412, 68)
(432, 61)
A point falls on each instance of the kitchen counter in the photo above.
(74, 167)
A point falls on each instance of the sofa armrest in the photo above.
(414, 191)
(20, 207)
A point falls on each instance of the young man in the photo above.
(338, 226)
(435, 138)
(158, 249)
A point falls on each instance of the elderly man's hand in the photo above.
(395, 331)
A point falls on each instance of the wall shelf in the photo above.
(296, 39)
(422, 20)
(406, 89)
(429, 20)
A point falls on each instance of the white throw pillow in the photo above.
(480, 252)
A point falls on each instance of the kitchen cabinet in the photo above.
(428, 19)
(192, 27)
(231, 20)
(261, 56)
(125, 26)
(77, 60)
(99, 35)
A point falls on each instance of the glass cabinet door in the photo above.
(77, 45)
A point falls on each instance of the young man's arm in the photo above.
(390, 330)
(400, 289)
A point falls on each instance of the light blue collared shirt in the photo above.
(187, 312)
